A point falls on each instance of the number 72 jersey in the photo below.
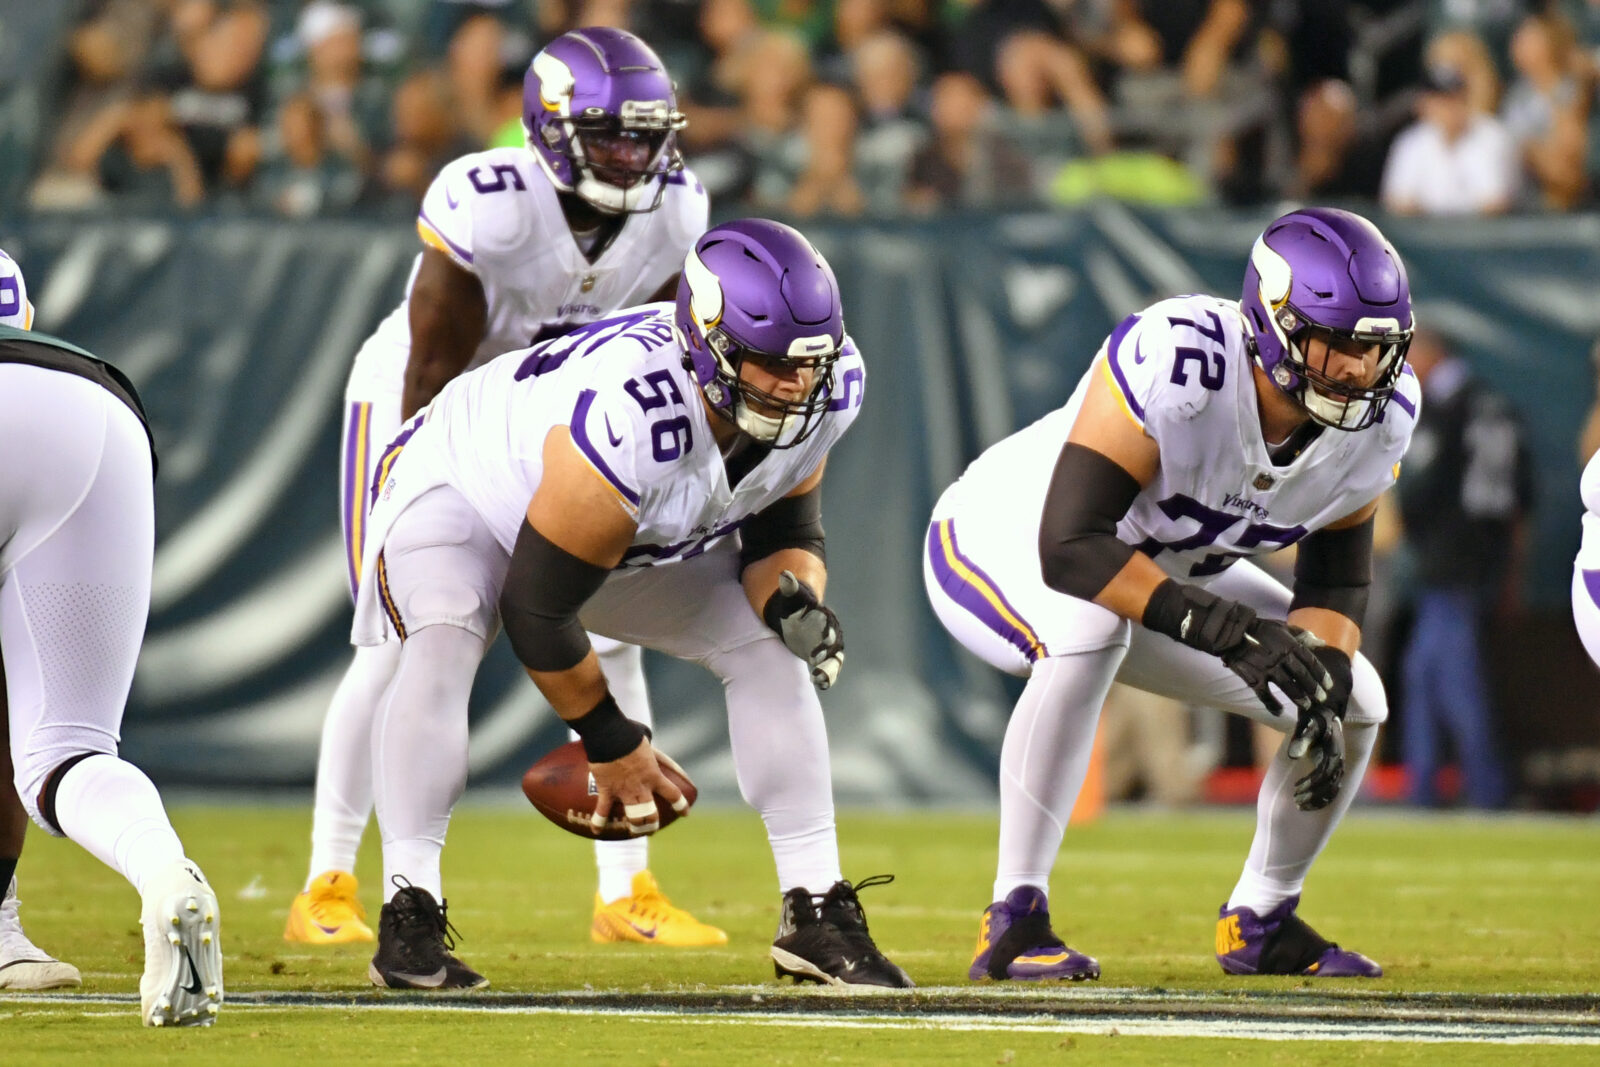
(1182, 371)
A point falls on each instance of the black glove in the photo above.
(1261, 651)
(1275, 653)
(807, 626)
(1320, 732)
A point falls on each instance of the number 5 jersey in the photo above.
(1182, 371)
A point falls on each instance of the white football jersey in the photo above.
(495, 214)
(14, 307)
(635, 414)
(1182, 369)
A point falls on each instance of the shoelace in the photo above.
(419, 911)
(844, 896)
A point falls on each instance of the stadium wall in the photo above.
(240, 333)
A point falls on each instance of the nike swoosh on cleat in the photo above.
(642, 932)
(329, 930)
(426, 981)
(193, 985)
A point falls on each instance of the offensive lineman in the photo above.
(23, 965)
(594, 482)
(77, 540)
(1107, 541)
(520, 245)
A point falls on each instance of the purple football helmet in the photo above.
(1330, 273)
(600, 115)
(757, 290)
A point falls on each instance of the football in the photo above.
(560, 787)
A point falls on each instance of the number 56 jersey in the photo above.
(636, 417)
(1182, 370)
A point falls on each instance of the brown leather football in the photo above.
(559, 786)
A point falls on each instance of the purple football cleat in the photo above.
(1015, 941)
(1280, 942)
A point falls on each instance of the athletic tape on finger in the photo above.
(643, 810)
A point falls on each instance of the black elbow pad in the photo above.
(545, 588)
(791, 522)
(1089, 493)
(1333, 570)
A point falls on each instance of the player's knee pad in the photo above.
(1369, 704)
(37, 783)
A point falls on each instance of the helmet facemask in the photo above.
(767, 417)
(620, 163)
(1329, 401)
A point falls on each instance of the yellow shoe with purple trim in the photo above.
(648, 917)
(329, 912)
(1015, 941)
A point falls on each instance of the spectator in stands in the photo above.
(827, 184)
(1201, 38)
(1465, 492)
(135, 151)
(1465, 53)
(351, 102)
(1014, 46)
(1546, 109)
(1491, 22)
(1336, 158)
(426, 136)
(302, 172)
(968, 162)
(747, 148)
(885, 66)
(1453, 160)
(473, 65)
(216, 84)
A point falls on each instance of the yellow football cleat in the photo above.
(329, 913)
(649, 917)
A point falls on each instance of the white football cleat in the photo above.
(24, 966)
(182, 983)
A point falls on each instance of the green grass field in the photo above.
(1446, 904)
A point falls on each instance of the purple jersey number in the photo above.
(580, 341)
(1210, 362)
(1211, 525)
(501, 173)
(669, 437)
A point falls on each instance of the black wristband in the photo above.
(606, 733)
(1165, 609)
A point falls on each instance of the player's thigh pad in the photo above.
(77, 522)
(984, 581)
(1158, 664)
(442, 566)
(691, 609)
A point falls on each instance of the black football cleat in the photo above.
(830, 944)
(414, 943)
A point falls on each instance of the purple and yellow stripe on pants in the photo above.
(353, 486)
(387, 599)
(969, 586)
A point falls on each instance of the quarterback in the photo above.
(77, 540)
(653, 477)
(1110, 541)
(520, 245)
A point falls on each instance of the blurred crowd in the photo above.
(843, 107)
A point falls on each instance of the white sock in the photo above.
(112, 810)
(1044, 760)
(420, 752)
(1287, 839)
(344, 761)
(780, 757)
(618, 861)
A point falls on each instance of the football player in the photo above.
(23, 965)
(520, 244)
(1586, 569)
(1110, 541)
(77, 537)
(654, 477)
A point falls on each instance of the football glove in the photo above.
(1275, 653)
(1320, 732)
(807, 626)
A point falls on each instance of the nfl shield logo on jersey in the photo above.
(588, 282)
(1263, 481)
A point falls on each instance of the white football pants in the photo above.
(443, 573)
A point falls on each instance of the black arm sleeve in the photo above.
(1078, 548)
(1333, 570)
(545, 587)
(792, 522)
